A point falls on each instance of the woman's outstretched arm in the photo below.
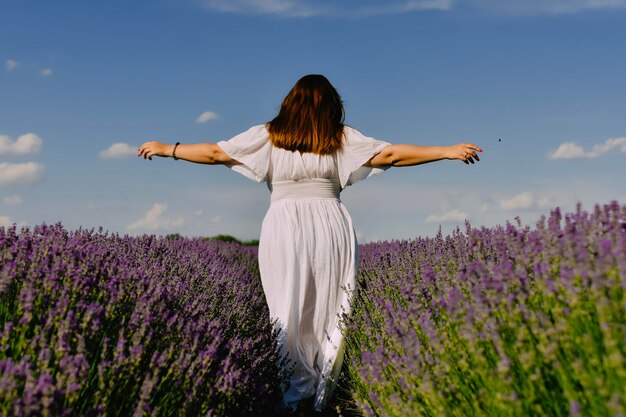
(407, 155)
(200, 153)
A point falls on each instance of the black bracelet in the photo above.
(174, 151)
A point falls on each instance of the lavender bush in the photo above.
(95, 324)
(505, 321)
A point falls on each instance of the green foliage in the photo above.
(229, 238)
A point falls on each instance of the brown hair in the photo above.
(310, 118)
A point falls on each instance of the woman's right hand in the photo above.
(466, 152)
(150, 149)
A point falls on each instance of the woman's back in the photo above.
(259, 160)
(295, 166)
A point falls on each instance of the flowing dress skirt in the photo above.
(307, 257)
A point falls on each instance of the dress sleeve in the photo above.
(358, 149)
(251, 149)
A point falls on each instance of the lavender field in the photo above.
(95, 324)
(503, 321)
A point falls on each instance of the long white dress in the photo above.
(308, 249)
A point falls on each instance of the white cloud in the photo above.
(287, 8)
(5, 221)
(118, 151)
(12, 200)
(303, 8)
(426, 4)
(20, 174)
(199, 212)
(365, 8)
(548, 6)
(396, 7)
(520, 201)
(216, 219)
(28, 143)
(547, 202)
(206, 116)
(452, 216)
(154, 219)
(569, 150)
(10, 64)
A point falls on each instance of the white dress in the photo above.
(307, 250)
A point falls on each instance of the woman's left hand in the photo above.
(466, 152)
(150, 149)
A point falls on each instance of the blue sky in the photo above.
(84, 83)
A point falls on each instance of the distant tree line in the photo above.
(223, 238)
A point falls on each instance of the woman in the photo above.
(308, 248)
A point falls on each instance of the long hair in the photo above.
(310, 118)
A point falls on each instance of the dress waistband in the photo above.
(317, 188)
